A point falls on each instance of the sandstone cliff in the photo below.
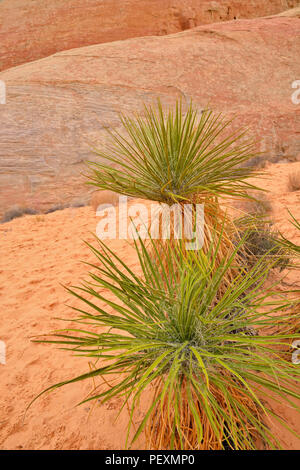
(56, 107)
(32, 29)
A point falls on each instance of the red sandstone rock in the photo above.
(32, 29)
(58, 105)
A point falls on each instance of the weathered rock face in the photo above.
(58, 106)
(292, 13)
(32, 29)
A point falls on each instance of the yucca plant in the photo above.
(173, 156)
(200, 353)
(179, 157)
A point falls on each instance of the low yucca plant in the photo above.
(201, 353)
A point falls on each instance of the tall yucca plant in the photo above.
(172, 156)
(202, 353)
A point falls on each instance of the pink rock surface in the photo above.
(32, 29)
(56, 107)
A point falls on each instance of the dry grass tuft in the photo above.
(294, 181)
(259, 206)
(16, 212)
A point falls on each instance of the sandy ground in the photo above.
(37, 253)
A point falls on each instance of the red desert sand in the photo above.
(37, 254)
